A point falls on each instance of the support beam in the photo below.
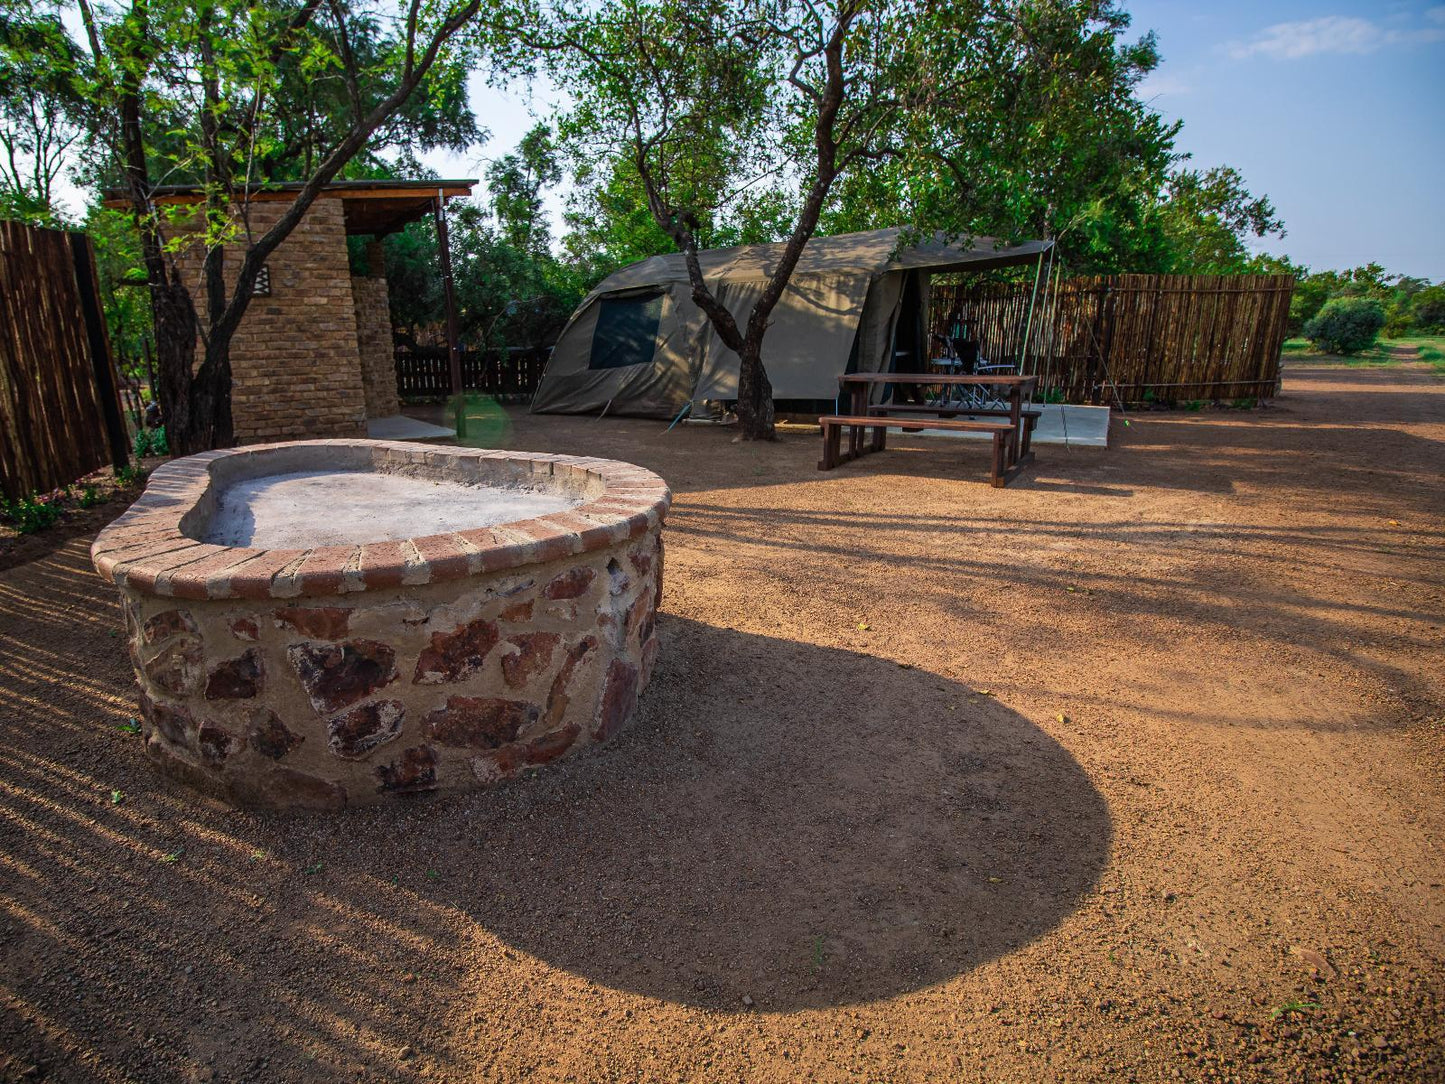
(454, 349)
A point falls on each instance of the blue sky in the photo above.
(1336, 111)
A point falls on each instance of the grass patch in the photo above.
(1428, 348)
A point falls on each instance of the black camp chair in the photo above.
(963, 356)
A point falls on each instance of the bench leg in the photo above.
(831, 436)
(879, 438)
(998, 481)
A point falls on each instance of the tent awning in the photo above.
(873, 252)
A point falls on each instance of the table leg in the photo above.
(859, 409)
(1015, 413)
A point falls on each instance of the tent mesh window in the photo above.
(626, 331)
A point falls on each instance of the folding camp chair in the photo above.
(962, 356)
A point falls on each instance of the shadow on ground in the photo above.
(803, 826)
(797, 825)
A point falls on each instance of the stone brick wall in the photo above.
(373, 336)
(295, 359)
(347, 674)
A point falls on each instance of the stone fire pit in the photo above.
(320, 623)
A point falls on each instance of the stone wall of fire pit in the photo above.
(345, 674)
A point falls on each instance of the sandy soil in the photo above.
(1130, 771)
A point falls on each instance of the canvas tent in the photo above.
(638, 344)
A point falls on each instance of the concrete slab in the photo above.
(1060, 423)
(400, 427)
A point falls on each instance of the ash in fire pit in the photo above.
(336, 508)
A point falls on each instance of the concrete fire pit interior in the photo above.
(321, 623)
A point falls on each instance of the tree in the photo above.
(1208, 215)
(38, 63)
(1038, 133)
(701, 98)
(770, 119)
(510, 289)
(207, 94)
(122, 284)
(1427, 309)
(515, 182)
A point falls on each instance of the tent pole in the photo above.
(680, 414)
(1029, 323)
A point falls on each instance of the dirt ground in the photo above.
(1130, 771)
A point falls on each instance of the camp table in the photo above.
(858, 385)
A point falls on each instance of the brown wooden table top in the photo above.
(935, 378)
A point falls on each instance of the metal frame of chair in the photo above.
(962, 356)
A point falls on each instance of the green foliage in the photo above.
(1020, 124)
(1427, 310)
(120, 273)
(1206, 218)
(510, 290)
(1346, 325)
(30, 514)
(149, 442)
(1039, 134)
(38, 99)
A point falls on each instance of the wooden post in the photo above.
(106, 390)
(454, 349)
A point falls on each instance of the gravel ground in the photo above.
(1129, 771)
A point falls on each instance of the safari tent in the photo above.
(638, 345)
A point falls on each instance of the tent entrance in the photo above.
(626, 331)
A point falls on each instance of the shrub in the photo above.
(1346, 325)
(151, 442)
(30, 514)
(1427, 309)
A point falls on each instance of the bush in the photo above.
(1346, 325)
(1427, 309)
(30, 514)
(151, 442)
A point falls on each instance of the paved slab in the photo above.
(400, 427)
(1081, 426)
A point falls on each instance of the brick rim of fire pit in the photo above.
(148, 549)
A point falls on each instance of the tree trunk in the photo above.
(211, 399)
(175, 333)
(755, 396)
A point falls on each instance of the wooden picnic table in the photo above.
(858, 385)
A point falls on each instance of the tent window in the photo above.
(626, 331)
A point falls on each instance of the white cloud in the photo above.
(1161, 84)
(1335, 34)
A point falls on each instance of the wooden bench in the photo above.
(1030, 417)
(833, 454)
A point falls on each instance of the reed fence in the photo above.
(60, 413)
(1131, 338)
